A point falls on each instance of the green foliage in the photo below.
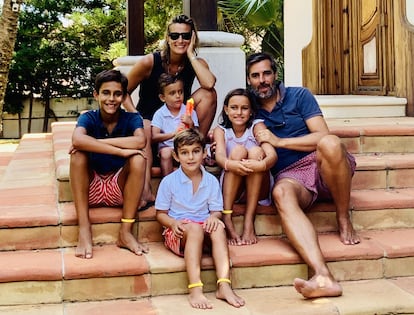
(258, 20)
(157, 14)
(61, 45)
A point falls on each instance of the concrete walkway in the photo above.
(367, 297)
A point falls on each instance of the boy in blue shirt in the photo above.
(107, 164)
(189, 205)
(169, 118)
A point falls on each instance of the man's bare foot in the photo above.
(226, 293)
(249, 237)
(128, 241)
(347, 234)
(318, 286)
(84, 247)
(198, 300)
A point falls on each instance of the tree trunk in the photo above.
(8, 33)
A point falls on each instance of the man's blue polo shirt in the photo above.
(288, 120)
(126, 126)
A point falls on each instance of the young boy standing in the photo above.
(189, 205)
(168, 120)
(107, 164)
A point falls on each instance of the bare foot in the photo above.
(84, 247)
(226, 293)
(347, 233)
(318, 286)
(232, 237)
(249, 237)
(198, 300)
(147, 195)
(128, 241)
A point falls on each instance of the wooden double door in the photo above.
(355, 47)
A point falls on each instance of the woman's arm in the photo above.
(139, 72)
(204, 76)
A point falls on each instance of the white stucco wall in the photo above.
(409, 4)
(297, 35)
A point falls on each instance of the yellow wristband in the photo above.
(195, 285)
(227, 211)
(124, 220)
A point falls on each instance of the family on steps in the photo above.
(272, 144)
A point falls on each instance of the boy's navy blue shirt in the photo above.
(126, 126)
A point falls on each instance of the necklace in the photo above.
(179, 69)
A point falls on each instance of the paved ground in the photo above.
(7, 148)
(368, 297)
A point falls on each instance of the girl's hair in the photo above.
(188, 137)
(109, 76)
(167, 79)
(179, 19)
(224, 119)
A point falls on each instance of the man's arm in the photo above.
(307, 143)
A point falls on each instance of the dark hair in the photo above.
(109, 76)
(179, 19)
(167, 79)
(188, 137)
(225, 121)
(257, 57)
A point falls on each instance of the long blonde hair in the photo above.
(180, 19)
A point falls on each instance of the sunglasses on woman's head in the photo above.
(175, 36)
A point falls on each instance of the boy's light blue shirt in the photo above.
(175, 194)
(167, 123)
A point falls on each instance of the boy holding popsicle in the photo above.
(171, 118)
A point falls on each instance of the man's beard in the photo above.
(272, 91)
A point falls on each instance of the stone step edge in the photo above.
(18, 216)
(61, 264)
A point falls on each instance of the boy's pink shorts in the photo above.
(105, 191)
(174, 243)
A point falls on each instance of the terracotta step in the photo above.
(49, 226)
(372, 140)
(29, 205)
(53, 276)
(383, 296)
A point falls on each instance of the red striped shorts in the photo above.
(174, 243)
(105, 191)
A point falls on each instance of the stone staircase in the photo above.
(38, 233)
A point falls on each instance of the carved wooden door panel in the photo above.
(372, 55)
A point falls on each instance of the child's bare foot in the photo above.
(318, 286)
(128, 241)
(226, 293)
(84, 247)
(232, 237)
(249, 237)
(234, 240)
(198, 300)
(347, 233)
